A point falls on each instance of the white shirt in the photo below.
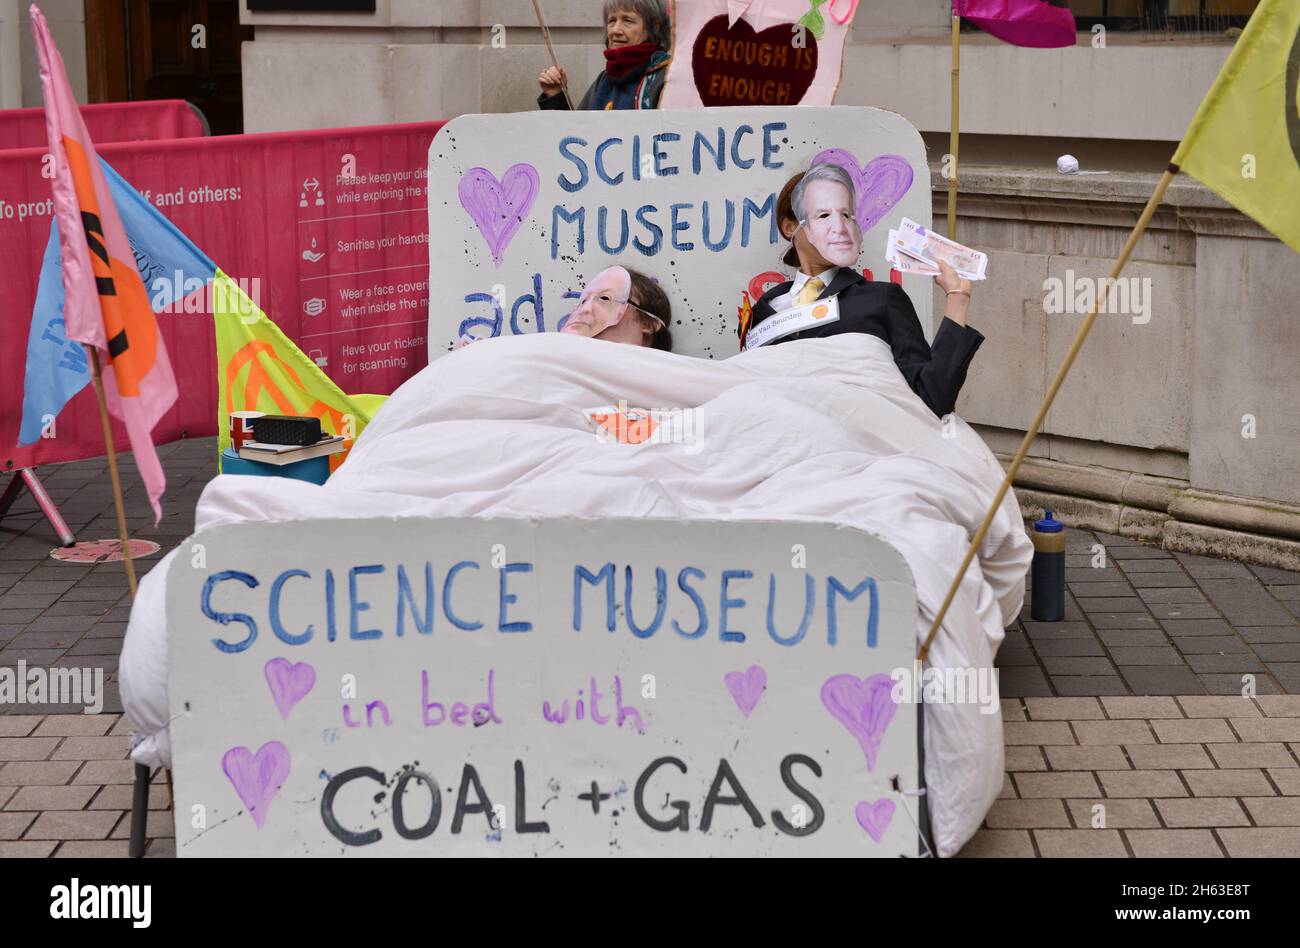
(786, 300)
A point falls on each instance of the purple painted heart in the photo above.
(499, 208)
(746, 687)
(864, 706)
(289, 682)
(257, 778)
(875, 817)
(880, 184)
(733, 65)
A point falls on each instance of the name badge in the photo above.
(790, 321)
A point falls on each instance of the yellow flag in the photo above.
(1244, 143)
(259, 369)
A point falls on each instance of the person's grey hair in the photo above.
(833, 173)
(653, 13)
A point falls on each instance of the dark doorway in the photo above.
(168, 49)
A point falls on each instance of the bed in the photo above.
(822, 431)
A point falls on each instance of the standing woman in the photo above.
(638, 35)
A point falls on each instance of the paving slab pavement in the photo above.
(1127, 733)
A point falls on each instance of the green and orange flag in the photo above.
(260, 369)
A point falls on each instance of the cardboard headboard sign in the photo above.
(559, 687)
(525, 208)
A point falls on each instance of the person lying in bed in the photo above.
(816, 211)
(618, 305)
(622, 305)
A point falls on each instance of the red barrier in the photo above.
(150, 120)
(327, 230)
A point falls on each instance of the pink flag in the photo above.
(105, 302)
(1040, 23)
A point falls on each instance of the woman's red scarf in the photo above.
(624, 61)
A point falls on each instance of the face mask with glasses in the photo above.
(608, 304)
(602, 304)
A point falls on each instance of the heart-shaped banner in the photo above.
(499, 208)
(734, 65)
(880, 184)
(864, 706)
(257, 778)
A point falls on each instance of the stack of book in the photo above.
(281, 454)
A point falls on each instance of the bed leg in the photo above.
(139, 811)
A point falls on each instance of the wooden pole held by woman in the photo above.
(546, 35)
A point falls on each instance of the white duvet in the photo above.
(822, 429)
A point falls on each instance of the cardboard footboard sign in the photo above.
(471, 687)
(524, 209)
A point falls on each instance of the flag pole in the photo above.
(954, 123)
(112, 468)
(1156, 198)
(546, 35)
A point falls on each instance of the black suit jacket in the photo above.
(934, 372)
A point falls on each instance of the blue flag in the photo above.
(171, 268)
(56, 368)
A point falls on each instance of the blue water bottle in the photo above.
(1047, 603)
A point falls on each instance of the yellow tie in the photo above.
(811, 290)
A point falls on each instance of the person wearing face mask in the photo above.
(816, 213)
(618, 305)
(638, 35)
(622, 305)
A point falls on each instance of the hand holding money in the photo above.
(902, 262)
(950, 281)
(957, 293)
(916, 249)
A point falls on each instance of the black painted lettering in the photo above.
(346, 836)
(521, 818)
(682, 820)
(740, 798)
(470, 776)
(435, 809)
(803, 793)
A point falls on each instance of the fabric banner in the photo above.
(105, 305)
(756, 52)
(1244, 142)
(109, 122)
(324, 231)
(259, 369)
(1044, 24)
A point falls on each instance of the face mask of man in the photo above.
(830, 223)
(603, 303)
